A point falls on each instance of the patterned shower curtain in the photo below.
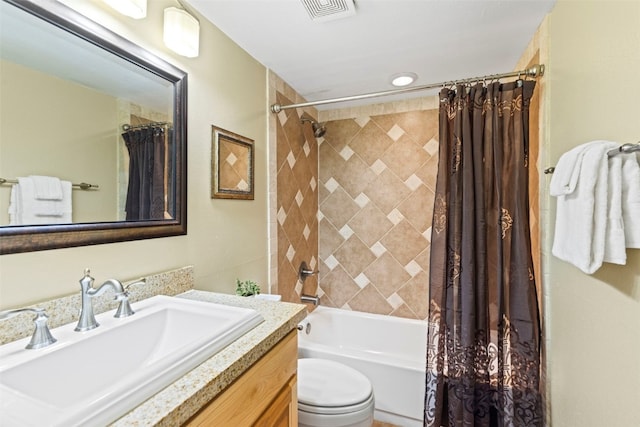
(146, 191)
(483, 354)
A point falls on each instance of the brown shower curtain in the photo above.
(483, 355)
(146, 190)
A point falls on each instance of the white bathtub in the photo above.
(391, 351)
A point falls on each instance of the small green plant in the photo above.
(247, 288)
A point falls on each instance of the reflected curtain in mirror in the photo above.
(149, 172)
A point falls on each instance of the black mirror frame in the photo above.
(18, 239)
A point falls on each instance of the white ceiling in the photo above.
(439, 40)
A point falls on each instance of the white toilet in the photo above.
(331, 394)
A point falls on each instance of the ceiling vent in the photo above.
(328, 10)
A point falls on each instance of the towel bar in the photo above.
(623, 149)
(82, 185)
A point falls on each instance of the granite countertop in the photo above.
(179, 401)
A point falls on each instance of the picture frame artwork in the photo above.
(232, 165)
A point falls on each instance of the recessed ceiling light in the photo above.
(403, 79)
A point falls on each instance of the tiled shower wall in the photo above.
(376, 192)
(294, 203)
(375, 187)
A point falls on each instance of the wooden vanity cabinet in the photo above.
(265, 395)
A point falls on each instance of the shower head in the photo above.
(318, 128)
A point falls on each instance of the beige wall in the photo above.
(42, 135)
(594, 321)
(227, 238)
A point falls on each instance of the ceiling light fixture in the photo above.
(136, 9)
(403, 79)
(181, 32)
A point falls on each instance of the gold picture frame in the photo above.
(232, 165)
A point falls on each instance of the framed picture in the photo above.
(232, 163)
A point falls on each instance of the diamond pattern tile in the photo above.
(375, 188)
(339, 208)
(387, 191)
(404, 157)
(370, 224)
(370, 300)
(405, 242)
(354, 256)
(355, 166)
(370, 143)
(298, 193)
(387, 274)
(377, 176)
(339, 287)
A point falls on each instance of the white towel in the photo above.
(615, 251)
(631, 199)
(581, 216)
(26, 209)
(14, 218)
(47, 187)
(567, 170)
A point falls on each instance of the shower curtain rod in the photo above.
(534, 71)
(127, 127)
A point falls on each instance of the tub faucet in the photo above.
(41, 335)
(315, 300)
(87, 319)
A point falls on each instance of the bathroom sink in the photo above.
(94, 377)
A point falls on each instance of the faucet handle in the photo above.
(87, 281)
(41, 335)
(124, 308)
(304, 271)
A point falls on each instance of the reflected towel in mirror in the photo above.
(47, 187)
(26, 208)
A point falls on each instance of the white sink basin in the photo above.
(94, 377)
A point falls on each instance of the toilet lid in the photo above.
(323, 382)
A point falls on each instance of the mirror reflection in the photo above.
(65, 102)
(92, 133)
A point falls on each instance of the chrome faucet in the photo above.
(87, 320)
(315, 300)
(304, 271)
(41, 335)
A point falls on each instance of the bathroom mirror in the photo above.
(68, 85)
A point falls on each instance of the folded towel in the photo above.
(614, 249)
(47, 187)
(13, 205)
(631, 199)
(26, 208)
(567, 170)
(581, 216)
